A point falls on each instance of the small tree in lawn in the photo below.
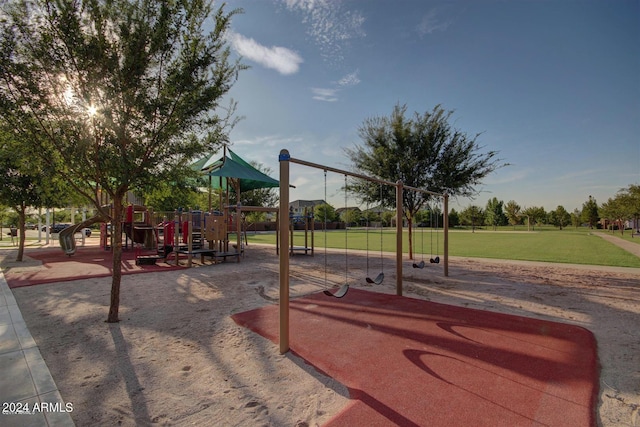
(387, 218)
(590, 212)
(123, 92)
(472, 215)
(324, 213)
(576, 218)
(351, 216)
(494, 213)
(560, 217)
(454, 218)
(513, 212)
(535, 215)
(370, 216)
(423, 151)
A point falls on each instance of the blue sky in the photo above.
(554, 86)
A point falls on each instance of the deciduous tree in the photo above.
(575, 218)
(625, 206)
(423, 151)
(535, 215)
(590, 212)
(560, 217)
(472, 215)
(24, 182)
(324, 213)
(123, 92)
(513, 212)
(494, 214)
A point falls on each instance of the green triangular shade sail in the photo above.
(233, 167)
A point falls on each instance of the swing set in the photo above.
(380, 277)
(342, 291)
(285, 160)
(432, 260)
(344, 288)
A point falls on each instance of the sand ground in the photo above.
(176, 358)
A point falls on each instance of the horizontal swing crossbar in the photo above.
(358, 175)
(420, 190)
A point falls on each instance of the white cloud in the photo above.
(331, 94)
(283, 60)
(330, 25)
(349, 80)
(324, 94)
(300, 4)
(270, 141)
(431, 23)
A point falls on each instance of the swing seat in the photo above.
(339, 293)
(435, 260)
(419, 265)
(378, 280)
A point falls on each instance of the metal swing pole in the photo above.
(284, 254)
(399, 238)
(445, 229)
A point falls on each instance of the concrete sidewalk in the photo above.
(28, 394)
(632, 248)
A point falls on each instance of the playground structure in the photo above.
(190, 233)
(232, 173)
(136, 227)
(285, 160)
(198, 233)
(307, 218)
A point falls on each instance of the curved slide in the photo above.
(66, 236)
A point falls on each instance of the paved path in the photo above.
(630, 247)
(24, 376)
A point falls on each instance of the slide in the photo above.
(66, 236)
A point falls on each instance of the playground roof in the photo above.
(234, 167)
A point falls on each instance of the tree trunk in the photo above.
(22, 235)
(116, 227)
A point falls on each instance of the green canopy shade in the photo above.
(249, 177)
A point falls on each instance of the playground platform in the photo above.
(411, 362)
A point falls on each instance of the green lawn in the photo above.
(550, 245)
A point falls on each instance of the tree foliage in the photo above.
(351, 216)
(121, 93)
(494, 213)
(472, 215)
(590, 212)
(423, 151)
(623, 207)
(513, 212)
(169, 196)
(324, 213)
(454, 218)
(536, 215)
(24, 182)
(575, 217)
(560, 217)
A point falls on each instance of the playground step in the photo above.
(147, 259)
